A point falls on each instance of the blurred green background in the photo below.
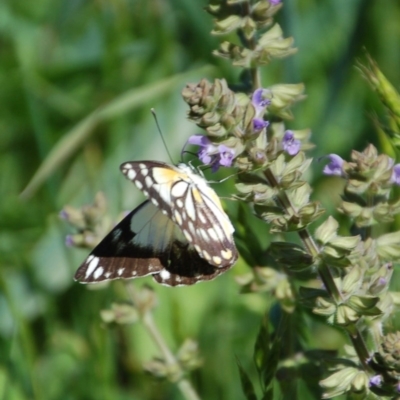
(77, 81)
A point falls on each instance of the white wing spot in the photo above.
(148, 181)
(139, 185)
(197, 247)
(179, 189)
(206, 255)
(184, 216)
(179, 203)
(178, 217)
(212, 234)
(203, 234)
(90, 258)
(142, 166)
(217, 260)
(218, 232)
(120, 271)
(179, 279)
(146, 193)
(192, 229)
(151, 267)
(190, 207)
(127, 166)
(164, 274)
(107, 274)
(164, 212)
(155, 202)
(134, 272)
(187, 235)
(98, 272)
(131, 174)
(201, 217)
(164, 191)
(226, 254)
(92, 266)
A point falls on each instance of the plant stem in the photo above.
(323, 271)
(183, 384)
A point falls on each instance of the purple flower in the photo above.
(259, 102)
(290, 144)
(335, 165)
(226, 155)
(207, 151)
(375, 380)
(274, 2)
(396, 174)
(212, 154)
(259, 124)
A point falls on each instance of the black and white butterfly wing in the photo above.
(187, 199)
(146, 242)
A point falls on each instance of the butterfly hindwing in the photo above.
(146, 242)
(126, 252)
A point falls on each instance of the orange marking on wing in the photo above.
(166, 175)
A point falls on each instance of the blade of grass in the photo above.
(74, 139)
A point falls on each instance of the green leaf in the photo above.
(247, 385)
(262, 347)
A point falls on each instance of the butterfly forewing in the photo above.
(187, 199)
(181, 237)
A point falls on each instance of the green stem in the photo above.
(323, 270)
(183, 384)
(360, 347)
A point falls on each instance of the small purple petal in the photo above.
(63, 215)
(258, 100)
(335, 165)
(259, 124)
(396, 174)
(274, 2)
(199, 140)
(226, 155)
(204, 157)
(290, 144)
(375, 380)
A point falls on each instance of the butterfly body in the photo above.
(181, 235)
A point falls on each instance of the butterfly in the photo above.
(180, 235)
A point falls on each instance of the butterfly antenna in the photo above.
(153, 111)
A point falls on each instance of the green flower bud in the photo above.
(339, 382)
(120, 314)
(360, 385)
(389, 356)
(324, 306)
(352, 281)
(327, 230)
(346, 315)
(364, 305)
(188, 355)
(388, 246)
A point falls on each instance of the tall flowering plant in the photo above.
(342, 279)
(247, 130)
